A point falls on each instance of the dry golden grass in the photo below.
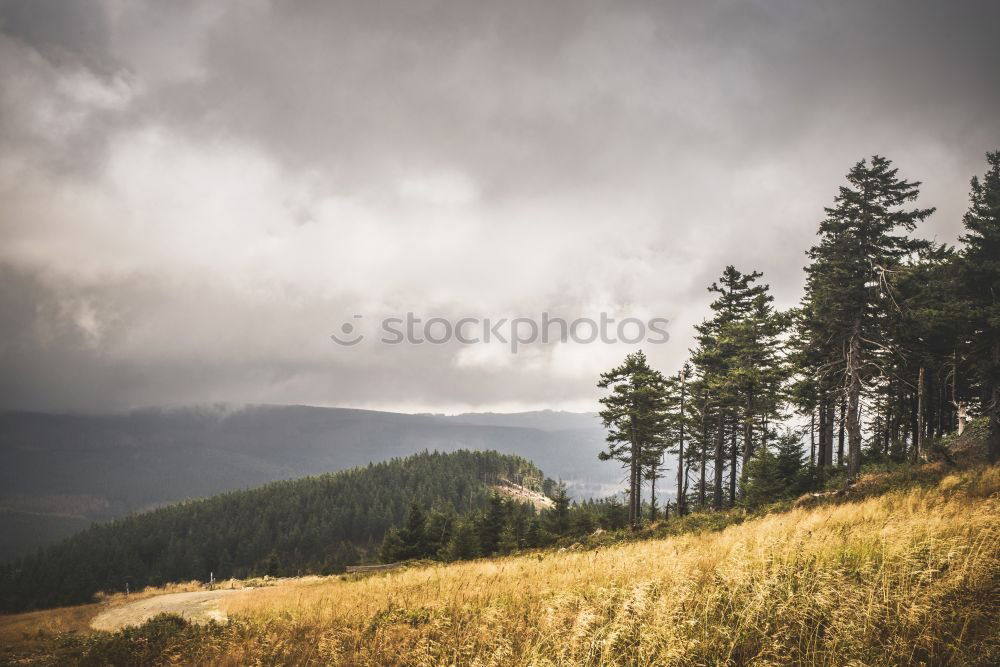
(31, 633)
(908, 577)
(19, 627)
(33, 630)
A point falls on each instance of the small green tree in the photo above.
(413, 535)
(583, 522)
(509, 541)
(762, 481)
(392, 547)
(775, 474)
(614, 516)
(535, 535)
(463, 544)
(439, 528)
(558, 516)
(790, 463)
(491, 525)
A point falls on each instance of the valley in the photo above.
(59, 473)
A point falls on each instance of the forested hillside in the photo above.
(316, 524)
(59, 473)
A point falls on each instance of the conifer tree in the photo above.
(683, 377)
(440, 525)
(491, 525)
(559, 514)
(739, 366)
(980, 269)
(863, 240)
(775, 472)
(635, 414)
(392, 547)
(413, 536)
(464, 544)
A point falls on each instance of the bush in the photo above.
(156, 641)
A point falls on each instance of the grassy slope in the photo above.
(909, 576)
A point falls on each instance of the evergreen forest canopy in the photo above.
(896, 342)
(311, 525)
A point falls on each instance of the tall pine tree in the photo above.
(635, 414)
(981, 287)
(863, 240)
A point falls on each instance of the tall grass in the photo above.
(911, 576)
(908, 577)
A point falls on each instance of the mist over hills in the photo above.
(60, 472)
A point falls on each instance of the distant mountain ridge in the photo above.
(60, 472)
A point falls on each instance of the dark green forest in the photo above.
(311, 525)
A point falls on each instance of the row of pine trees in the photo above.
(895, 343)
(505, 526)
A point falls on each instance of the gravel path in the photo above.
(197, 606)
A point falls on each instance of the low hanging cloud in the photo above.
(195, 196)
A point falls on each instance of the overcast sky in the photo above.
(194, 196)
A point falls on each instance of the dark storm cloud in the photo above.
(196, 194)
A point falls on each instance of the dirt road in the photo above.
(198, 606)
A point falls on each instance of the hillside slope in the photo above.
(58, 473)
(315, 524)
(911, 576)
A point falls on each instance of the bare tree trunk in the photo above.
(652, 498)
(905, 425)
(720, 463)
(702, 490)
(638, 494)
(840, 436)
(635, 482)
(704, 452)
(812, 439)
(929, 411)
(887, 424)
(961, 411)
(763, 432)
(831, 410)
(733, 465)
(853, 403)
(918, 450)
(939, 422)
(748, 432)
(631, 491)
(993, 439)
(821, 459)
(681, 476)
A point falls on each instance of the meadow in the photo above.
(907, 577)
(911, 576)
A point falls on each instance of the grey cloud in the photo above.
(443, 157)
